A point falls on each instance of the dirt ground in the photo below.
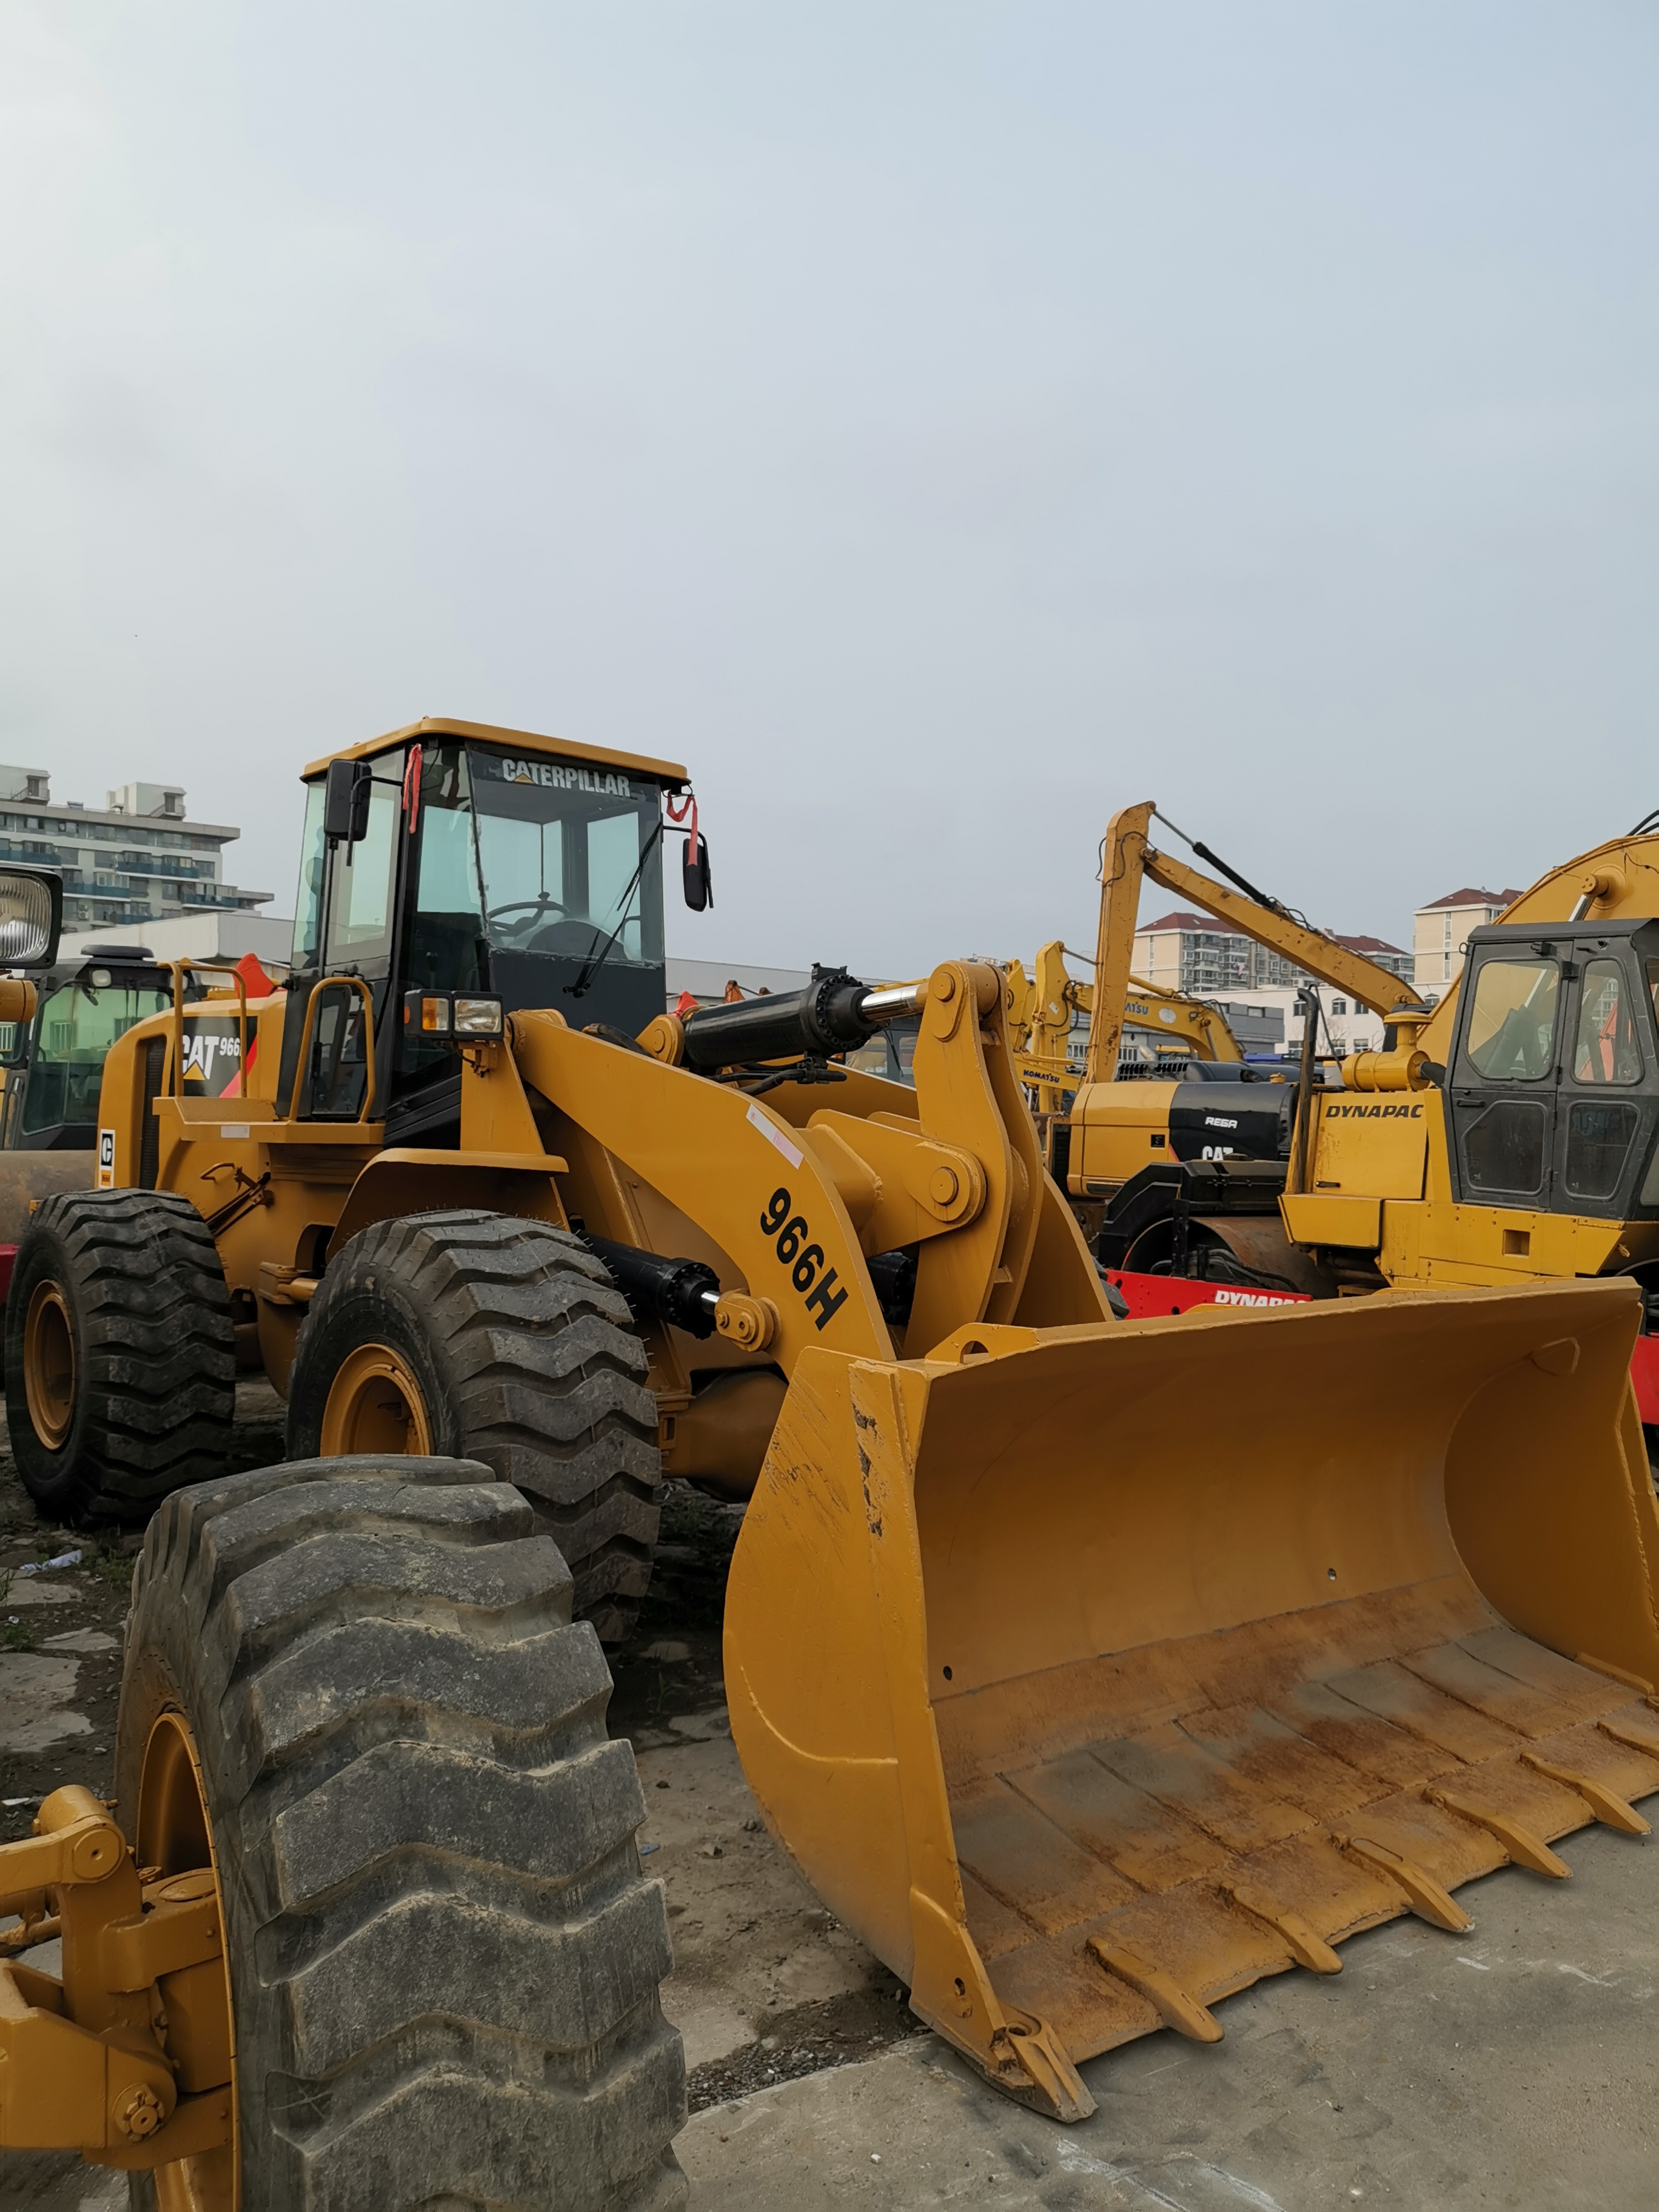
(766, 1986)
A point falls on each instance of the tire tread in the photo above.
(444, 1952)
(156, 1353)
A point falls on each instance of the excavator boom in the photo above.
(1128, 859)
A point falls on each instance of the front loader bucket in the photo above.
(1089, 1674)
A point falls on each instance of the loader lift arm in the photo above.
(1128, 859)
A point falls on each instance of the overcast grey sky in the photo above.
(937, 424)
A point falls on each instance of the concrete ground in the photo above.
(1515, 2066)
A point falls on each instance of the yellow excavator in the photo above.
(1082, 1722)
(1506, 1135)
(1049, 1014)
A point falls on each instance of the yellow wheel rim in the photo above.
(375, 1405)
(48, 1365)
(175, 1851)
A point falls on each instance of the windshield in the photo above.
(567, 856)
(78, 1024)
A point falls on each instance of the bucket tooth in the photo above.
(1052, 2083)
(1525, 1848)
(1610, 1810)
(1305, 1944)
(1428, 1901)
(1178, 2008)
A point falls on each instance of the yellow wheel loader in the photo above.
(51, 1055)
(1508, 1134)
(1080, 1722)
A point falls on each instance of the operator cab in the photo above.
(1554, 1080)
(453, 857)
(53, 1065)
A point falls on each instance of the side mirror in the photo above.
(698, 883)
(31, 916)
(347, 789)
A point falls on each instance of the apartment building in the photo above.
(137, 859)
(1206, 959)
(1442, 931)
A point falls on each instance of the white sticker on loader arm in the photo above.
(106, 1159)
(774, 1135)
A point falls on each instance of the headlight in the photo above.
(27, 920)
(477, 1017)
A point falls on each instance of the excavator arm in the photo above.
(1128, 859)
(1041, 1007)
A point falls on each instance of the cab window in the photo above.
(78, 1024)
(566, 854)
(308, 901)
(448, 927)
(1511, 1033)
(360, 897)
(1605, 1049)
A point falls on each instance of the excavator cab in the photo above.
(1554, 1083)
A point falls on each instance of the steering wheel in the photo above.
(538, 906)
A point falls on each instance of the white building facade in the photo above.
(136, 860)
(1206, 959)
(1442, 931)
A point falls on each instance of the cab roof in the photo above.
(669, 773)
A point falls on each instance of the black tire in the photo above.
(150, 1399)
(527, 1359)
(444, 1956)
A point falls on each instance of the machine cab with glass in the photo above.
(1553, 1081)
(53, 1064)
(456, 858)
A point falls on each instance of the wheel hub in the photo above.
(174, 1842)
(49, 1364)
(375, 1404)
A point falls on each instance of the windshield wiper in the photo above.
(595, 960)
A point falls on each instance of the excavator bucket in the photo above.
(1091, 1674)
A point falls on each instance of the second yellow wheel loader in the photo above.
(1080, 1718)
